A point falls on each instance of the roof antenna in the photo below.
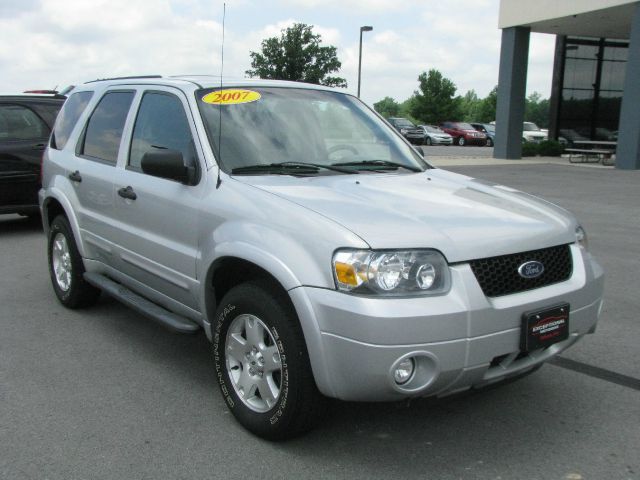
(224, 14)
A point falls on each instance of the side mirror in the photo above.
(167, 164)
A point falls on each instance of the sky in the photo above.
(49, 43)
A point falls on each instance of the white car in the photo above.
(435, 136)
(532, 133)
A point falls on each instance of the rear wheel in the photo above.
(262, 364)
(489, 142)
(66, 268)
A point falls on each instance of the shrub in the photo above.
(550, 148)
(529, 149)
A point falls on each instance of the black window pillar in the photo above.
(512, 87)
(628, 151)
(556, 86)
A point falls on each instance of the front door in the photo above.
(156, 218)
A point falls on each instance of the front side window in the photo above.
(161, 124)
(18, 123)
(67, 118)
(104, 129)
(298, 125)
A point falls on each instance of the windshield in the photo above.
(402, 122)
(489, 128)
(280, 125)
(531, 127)
(431, 129)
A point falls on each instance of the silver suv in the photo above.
(319, 252)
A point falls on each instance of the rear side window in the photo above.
(18, 123)
(69, 115)
(161, 124)
(104, 129)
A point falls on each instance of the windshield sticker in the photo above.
(231, 97)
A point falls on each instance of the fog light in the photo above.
(404, 371)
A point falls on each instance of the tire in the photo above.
(428, 141)
(489, 142)
(460, 141)
(258, 346)
(66, 268)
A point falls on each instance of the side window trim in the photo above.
(176, 93)
(82, 137)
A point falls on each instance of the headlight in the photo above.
(391, 272)
(581, 238)
(403, 131)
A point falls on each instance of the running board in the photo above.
(140, 304)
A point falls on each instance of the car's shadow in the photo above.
(13, 225)
(489, 424)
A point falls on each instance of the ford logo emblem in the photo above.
(532, 269)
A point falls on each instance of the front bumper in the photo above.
(475, 140)
(460, 340)
(441, 141)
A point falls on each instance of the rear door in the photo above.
(23, 135)
(93, 168)
(156, 227)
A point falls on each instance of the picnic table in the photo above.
(592, 151)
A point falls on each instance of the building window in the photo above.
(591, 90)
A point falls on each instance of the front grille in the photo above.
(499, 275)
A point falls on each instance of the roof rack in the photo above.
(138, 77)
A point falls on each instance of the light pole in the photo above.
(362, 29)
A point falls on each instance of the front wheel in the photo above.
(489, 142)
(66, 268)
(461, 141)
(262, 364)
(429, 141)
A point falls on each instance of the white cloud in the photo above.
(61, 42)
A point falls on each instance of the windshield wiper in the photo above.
(290, 168)
(377, 165)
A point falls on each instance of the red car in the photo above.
(464, 133)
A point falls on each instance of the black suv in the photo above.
(408, 129)
(25, 124)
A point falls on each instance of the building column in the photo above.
(512, 87)
(628, 151)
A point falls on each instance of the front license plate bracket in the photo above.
(543, 328)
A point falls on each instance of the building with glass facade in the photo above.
(596, 80)
(588, 87)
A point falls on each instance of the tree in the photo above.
(297, 55)
(435, 101)
(387, 107)
(470, 105)
(487, 110)
(536, 110)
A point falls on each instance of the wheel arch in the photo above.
(259, 264)
(54, 205)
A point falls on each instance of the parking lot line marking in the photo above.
(597, 372)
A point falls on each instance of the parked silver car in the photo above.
(435, 136)
(322, 256)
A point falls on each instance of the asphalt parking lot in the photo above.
(104, 393)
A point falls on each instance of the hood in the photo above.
(462, 217)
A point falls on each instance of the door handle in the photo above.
(127, 192)
(75, 176)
